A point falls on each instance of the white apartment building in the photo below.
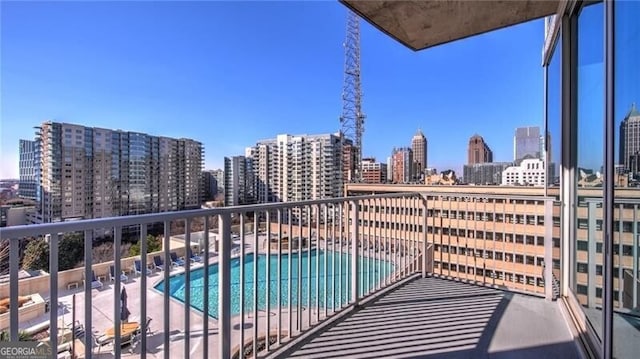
(297, 168)
(529, 172)
(239, 181)
(87, 172)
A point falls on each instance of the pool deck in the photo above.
(103, 304)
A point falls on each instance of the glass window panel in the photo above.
(626, 285)
(590, 155)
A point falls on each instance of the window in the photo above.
(583, 268)
(583, 245)
(582, 289)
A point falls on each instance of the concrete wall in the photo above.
(17, 216)
(28, 311)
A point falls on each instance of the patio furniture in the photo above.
(159, 264)
(101, 341)
(95, 282)
(112, 275)
(175, 260)
(194, 257)
(148, 325)
(137, 268)
(126, 329)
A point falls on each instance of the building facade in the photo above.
(90, 172)
(218, 176)
(496, 235)
(373, 172)
(210, 185)
(297, 168)
(630, 140)
(348, 161)
(478, 151)
(526, 172)
(484, 173)
(490, 235)
(239, 181)
(527, 141)
(28, 183)
(402, 162)
(419, 148)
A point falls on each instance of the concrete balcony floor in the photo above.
(438, 318)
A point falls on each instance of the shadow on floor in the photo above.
(436, 318)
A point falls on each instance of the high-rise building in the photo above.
(348, 161)
(402, 159)
(239, 181)
(297, 168)
(484, 173)
(28, 184)
(390, 168)
(419, 148)
(479, 151)
(630, 139)
(210, 184)
(87, 172)
(218, 176)
(527, 141)
(373, 172)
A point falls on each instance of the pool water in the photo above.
(338, 270)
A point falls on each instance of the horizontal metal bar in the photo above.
(88, 224)
(489, 196)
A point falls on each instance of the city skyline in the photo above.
(176, 77)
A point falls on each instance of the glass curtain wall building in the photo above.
(592, 84)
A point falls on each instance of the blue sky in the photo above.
(231, 73)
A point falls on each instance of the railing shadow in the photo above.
(425, 318)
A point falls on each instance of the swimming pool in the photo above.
(337, 271)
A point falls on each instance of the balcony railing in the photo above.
(271, 272)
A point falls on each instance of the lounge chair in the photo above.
(158, 263)
(175, 261)
(112, 275)
(137, 268)
(148, 326)
(95, 282)
(101, 341)
(194, 257)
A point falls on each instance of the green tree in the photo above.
(36, 255)
(22, 336)
(154, 244)
(70, 251)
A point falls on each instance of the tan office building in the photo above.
(497, 235)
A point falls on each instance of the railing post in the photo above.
(53, 286)
(425, 257)
(224, 286)
(355, 238)
(548, 249)
(166, 288)
(205, 279)
(143, 288)
(88, 307)
(14, 260)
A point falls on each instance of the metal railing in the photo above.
(504, 241)
(275, 270)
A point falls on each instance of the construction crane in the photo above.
(352, 118)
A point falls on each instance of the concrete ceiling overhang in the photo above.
(426, 23)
